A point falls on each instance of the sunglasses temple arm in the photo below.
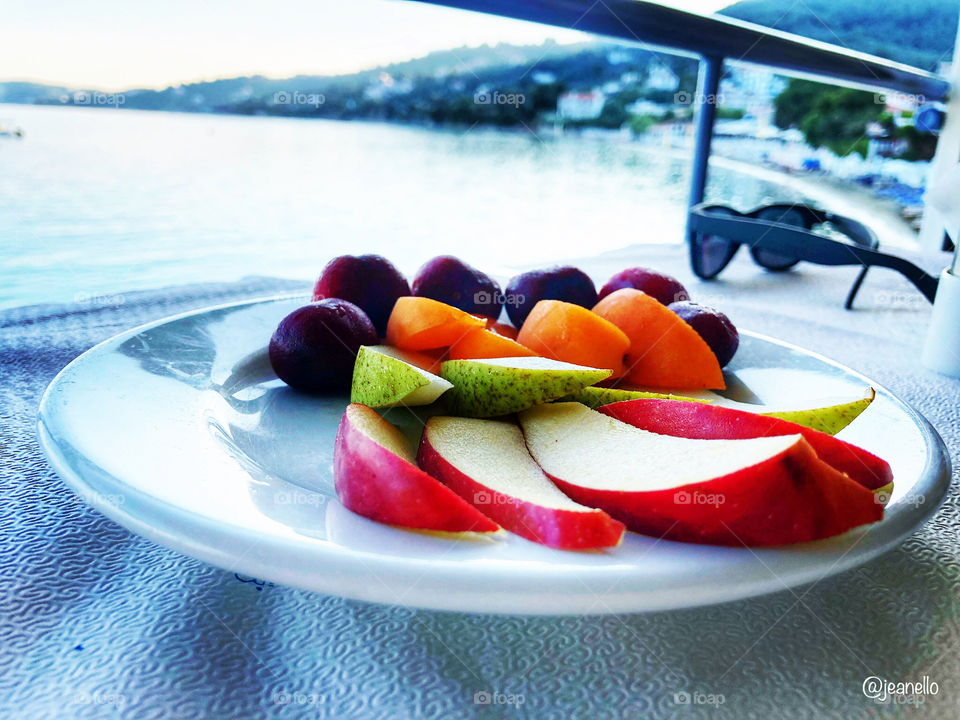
(855, 288)
(921, 280)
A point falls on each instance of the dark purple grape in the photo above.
(314, 348)
(370, 282)
(559, 283)
(452, 281)
(713, 326)
(663, 288)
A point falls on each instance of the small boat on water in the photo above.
(12, 132)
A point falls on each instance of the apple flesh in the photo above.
(710, 422)
(755, 492)
(375, 475)
(486, 462)
(385, 376)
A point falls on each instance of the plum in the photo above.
(452, 281)
(712, 325)
(370, 282)
(314, 348)
(664, 288)
(558, 283)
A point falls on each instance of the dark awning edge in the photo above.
(717, 37)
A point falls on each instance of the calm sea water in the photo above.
(95, 202)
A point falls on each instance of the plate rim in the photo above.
(934, 480)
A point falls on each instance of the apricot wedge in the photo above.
(571, 333)
(665, 352)
(480, 343)
(420, 323)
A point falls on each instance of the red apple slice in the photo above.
(486, 462)
(375, 475)
(757, 492)
(711, 422)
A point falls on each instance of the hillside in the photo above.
(920, 32)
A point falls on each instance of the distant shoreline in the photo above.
(844, 197)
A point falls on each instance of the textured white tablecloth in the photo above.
(96, 622)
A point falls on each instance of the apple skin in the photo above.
(790, 498)
(711, 422)
(373, 482)
(553, 527)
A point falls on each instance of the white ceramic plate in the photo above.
(179, 431)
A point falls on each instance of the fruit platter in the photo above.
(537, 447)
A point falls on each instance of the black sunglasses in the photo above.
(780, 236)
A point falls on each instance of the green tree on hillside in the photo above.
(836, 118)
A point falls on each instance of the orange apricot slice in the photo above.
(571, 333)
(479, 344)
(420, 323)
(665, 352)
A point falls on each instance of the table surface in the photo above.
(97, 622)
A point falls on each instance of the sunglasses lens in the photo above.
(771, 260)
(714, 251)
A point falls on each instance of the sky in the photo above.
(122, 44)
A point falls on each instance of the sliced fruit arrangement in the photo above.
(665, 352)
(595, 397)
(375, 475)
(755, 492)
(568, 332)
(385, 376)
(500, 386)
(558, 283)
(827, 414)
(419, 323)
(370, 282)
(711, 422)
(487, 464)
(480, 343)
(452, 281)
(664, 456)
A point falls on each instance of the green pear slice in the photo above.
(829, 414)
(826, 414)
(594, 397)
(385, 376)
(501, 386)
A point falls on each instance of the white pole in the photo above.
(943, 170)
